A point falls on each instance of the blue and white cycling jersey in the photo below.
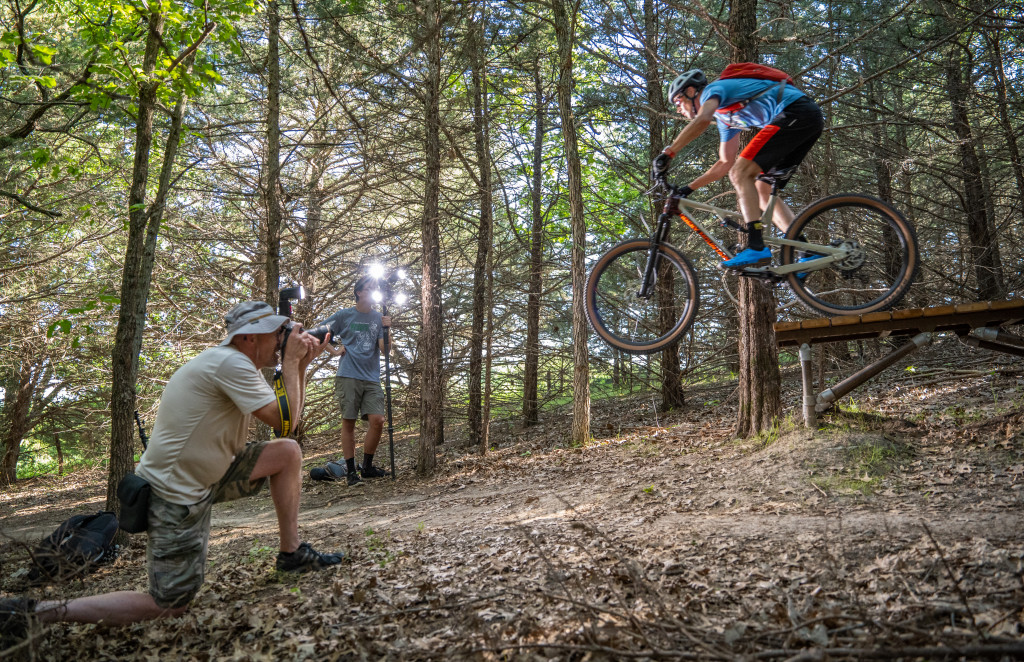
(758, 113)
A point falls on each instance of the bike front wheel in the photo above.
(881, 262)
(641, 325)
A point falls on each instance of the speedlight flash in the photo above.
(377, 270)
(377, 296)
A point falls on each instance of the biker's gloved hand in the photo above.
(660, 164)
(684, 191)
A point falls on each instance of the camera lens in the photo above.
(319, 332)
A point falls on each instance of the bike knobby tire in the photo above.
(635, 325)
(878, 272)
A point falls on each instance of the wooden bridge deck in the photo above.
(977, 324)
(960, 318)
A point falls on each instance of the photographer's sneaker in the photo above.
(305, 558)
(14, 615)
(373, 472)
(353, 479)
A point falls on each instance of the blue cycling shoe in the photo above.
(807, 258)
(749, 257)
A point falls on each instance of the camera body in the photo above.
(284, 307)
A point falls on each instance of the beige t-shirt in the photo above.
(202, 423)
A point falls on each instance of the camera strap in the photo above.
(283, 406)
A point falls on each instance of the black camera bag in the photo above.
(78, 545)
(133, 493)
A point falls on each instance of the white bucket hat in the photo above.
(252, 317)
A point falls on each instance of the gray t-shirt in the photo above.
(202, 423)
(359, 334)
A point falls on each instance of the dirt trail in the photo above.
(880, 530)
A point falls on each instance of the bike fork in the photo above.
(653, 258)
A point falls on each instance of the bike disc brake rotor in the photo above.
(854, 259)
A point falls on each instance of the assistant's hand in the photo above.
(386, 321)
(660, 164)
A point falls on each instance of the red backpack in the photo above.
(758, 71)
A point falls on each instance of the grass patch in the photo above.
(379, 547)
(864, 463)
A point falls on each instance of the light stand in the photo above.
(385, 297)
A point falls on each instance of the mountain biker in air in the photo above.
(790, 124)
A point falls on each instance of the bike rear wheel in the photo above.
(880, 268)
(635, 325)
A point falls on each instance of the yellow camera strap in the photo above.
(283, 406)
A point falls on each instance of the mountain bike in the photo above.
(843, 254)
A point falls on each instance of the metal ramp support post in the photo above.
(827, 397)
(995, 339)
(810, 416)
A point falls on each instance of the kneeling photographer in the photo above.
(198, 456)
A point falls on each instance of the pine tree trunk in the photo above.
(483, 156)
(140, 256)
(127, 338)
(671, 372)
(759, 381)
(531, 405)
(984, 247)
(1009, 134)
(565, 25)
(14, 417)
(431, 425)
(271, 186)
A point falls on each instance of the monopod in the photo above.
(387, 388)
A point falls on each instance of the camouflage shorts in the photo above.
(179, 535)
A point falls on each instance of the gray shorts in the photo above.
(358, 395)
(179, 535)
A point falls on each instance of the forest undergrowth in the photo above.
(892, 532)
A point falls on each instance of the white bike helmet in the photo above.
(692, 78)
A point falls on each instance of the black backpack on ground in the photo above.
(77, 547)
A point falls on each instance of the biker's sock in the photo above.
(367, 460)
(350, 464)
(754, 238)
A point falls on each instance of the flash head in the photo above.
(285, 297)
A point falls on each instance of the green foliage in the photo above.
(259, 554)
(379, 547)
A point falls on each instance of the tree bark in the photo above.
(759, 381)
(1009, 134)
(272, 183)
(140, 256)
(430, 343)
(125, 355)
(14, 417)
(531, 404)
(565, 32)
(671, 372)
(984, 248)
(483, 156)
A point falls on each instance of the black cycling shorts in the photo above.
(785, 141)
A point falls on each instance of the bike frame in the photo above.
(677, 205)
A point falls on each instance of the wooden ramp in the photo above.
(978, 324)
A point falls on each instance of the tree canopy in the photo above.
(408, 131)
